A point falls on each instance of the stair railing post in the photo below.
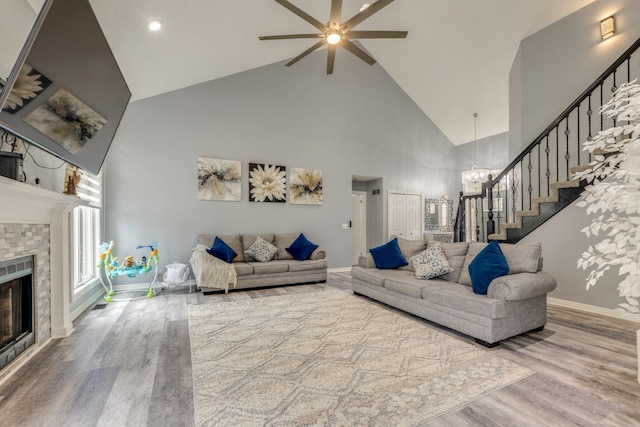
(491, 225)
(458, 228)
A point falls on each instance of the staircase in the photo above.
(538, 183)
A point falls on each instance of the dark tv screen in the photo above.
(66, 93)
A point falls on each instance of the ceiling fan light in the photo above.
(334, 38)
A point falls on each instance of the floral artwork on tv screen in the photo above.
(219, 179)
(305, 187)
(66, 120)
(29, 84)
(267, 183)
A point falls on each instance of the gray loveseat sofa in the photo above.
(283, 269)
(514, 304)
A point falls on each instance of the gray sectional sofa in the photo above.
(282, 270)
(514, 304)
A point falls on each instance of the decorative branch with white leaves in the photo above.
(613, 196)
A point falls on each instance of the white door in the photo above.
(405, 215)
(413, 216)
(358, 224)
(397, 215)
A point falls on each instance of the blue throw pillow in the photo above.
(301, 248)
(388, 256)
(221, 250)
(486, 266)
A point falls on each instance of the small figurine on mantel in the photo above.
(71, 180)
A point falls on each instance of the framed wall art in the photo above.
(305, 187)
(267, 183)
(219, 179)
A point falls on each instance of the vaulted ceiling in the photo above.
(454, 62)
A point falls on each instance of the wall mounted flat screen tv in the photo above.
(66, 93)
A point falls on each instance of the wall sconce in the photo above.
(607, 27)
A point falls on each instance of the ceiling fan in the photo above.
(337, 33)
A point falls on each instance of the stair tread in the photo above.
(553, 197)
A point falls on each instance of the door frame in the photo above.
(364, 222)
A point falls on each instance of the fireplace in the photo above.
(16, 307)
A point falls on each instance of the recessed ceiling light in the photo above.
(154, 25)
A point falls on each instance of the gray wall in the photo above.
(356, 122)
(562, 245)
(555, 65)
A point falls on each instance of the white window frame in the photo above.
(89, 190)
(87, 217)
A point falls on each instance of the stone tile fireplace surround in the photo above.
(34, 221)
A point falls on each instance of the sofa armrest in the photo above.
(318, 253)
(521, 286)
(366, 261)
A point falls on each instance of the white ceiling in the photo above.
(454, 62)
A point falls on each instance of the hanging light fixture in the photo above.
(473, 178)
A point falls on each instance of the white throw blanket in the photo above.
(211, 272)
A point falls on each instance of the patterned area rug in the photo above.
(330, 358)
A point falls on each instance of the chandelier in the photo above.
(473, 178)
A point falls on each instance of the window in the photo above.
(86, 238)
(86, 229)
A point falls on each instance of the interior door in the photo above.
(397, 215)
(413, 216)
(358, 225)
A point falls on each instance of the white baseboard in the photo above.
(591, 309)
(95, 296)
(133, 287)
(339, 270)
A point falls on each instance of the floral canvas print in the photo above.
(219, 179)
(66, 120)
(305, 187)
(28, 85)
(267, 183)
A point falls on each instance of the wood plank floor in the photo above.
(130, 365)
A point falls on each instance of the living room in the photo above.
(359, 121)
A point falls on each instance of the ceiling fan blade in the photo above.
(304, 15)
(377, 34)
(305, 53)
(331, 57)
(292, 36)
(364, 14)
(336, 10)
(357, 52)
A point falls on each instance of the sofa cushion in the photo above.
(248, 240)
(404, 287)
(409, 248)
(301, 248)
(455, 253)
(462, 298)
(431, 263)
(261, 250)
(388, 256)
(375, 276)
(489, 264)
(521, 257)
(221, 250)
(234, 241)
(282, 242)
(269, 267)
(243, 268)
(307, 265)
